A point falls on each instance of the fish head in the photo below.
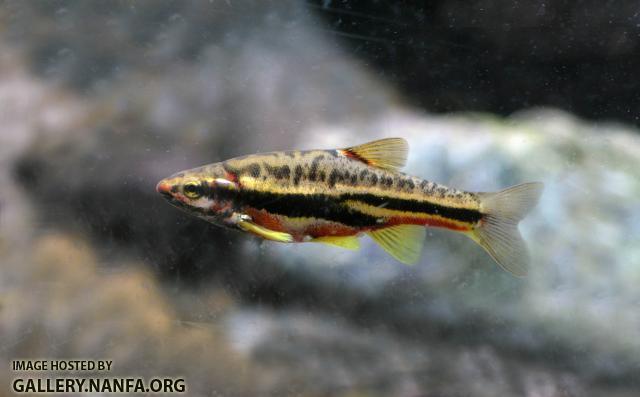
(207, 192)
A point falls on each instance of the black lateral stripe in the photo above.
(333, 208)
(306, 205)
(458, 214)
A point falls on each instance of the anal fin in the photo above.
(348, 242)
(403, 242)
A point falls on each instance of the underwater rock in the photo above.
(328, 356)
(59, 302)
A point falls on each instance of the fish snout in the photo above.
(164, 187)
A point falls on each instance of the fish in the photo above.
(335, 196)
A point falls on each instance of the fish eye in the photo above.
(192, 190)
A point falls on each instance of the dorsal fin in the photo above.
(388, 153)
(403, 242)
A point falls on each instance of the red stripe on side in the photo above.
(265, 219)
(433, 222)
(330, 230)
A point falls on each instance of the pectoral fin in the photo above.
(403, 242)
(348, 242)
(263, 232)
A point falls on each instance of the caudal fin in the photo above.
(498, 230)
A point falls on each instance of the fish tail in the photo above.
(497, 232)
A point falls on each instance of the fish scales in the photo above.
(325, 184)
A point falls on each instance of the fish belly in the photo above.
(301, 228)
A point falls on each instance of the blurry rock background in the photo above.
(99, 100)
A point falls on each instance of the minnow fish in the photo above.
(334, 196)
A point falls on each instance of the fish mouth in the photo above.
(177, 203)
(167, 190)
(164, 188)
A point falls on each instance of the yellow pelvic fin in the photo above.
(389, 153)
(348, 242)
(403, 242)
(265, 233)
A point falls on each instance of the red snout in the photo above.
(163, 187)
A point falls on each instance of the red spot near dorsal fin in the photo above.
(231, 177)
(351, 154)
(389, 153)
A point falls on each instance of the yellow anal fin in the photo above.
(348, 242)
(403, 242)
(389, 153)
(265, 233)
